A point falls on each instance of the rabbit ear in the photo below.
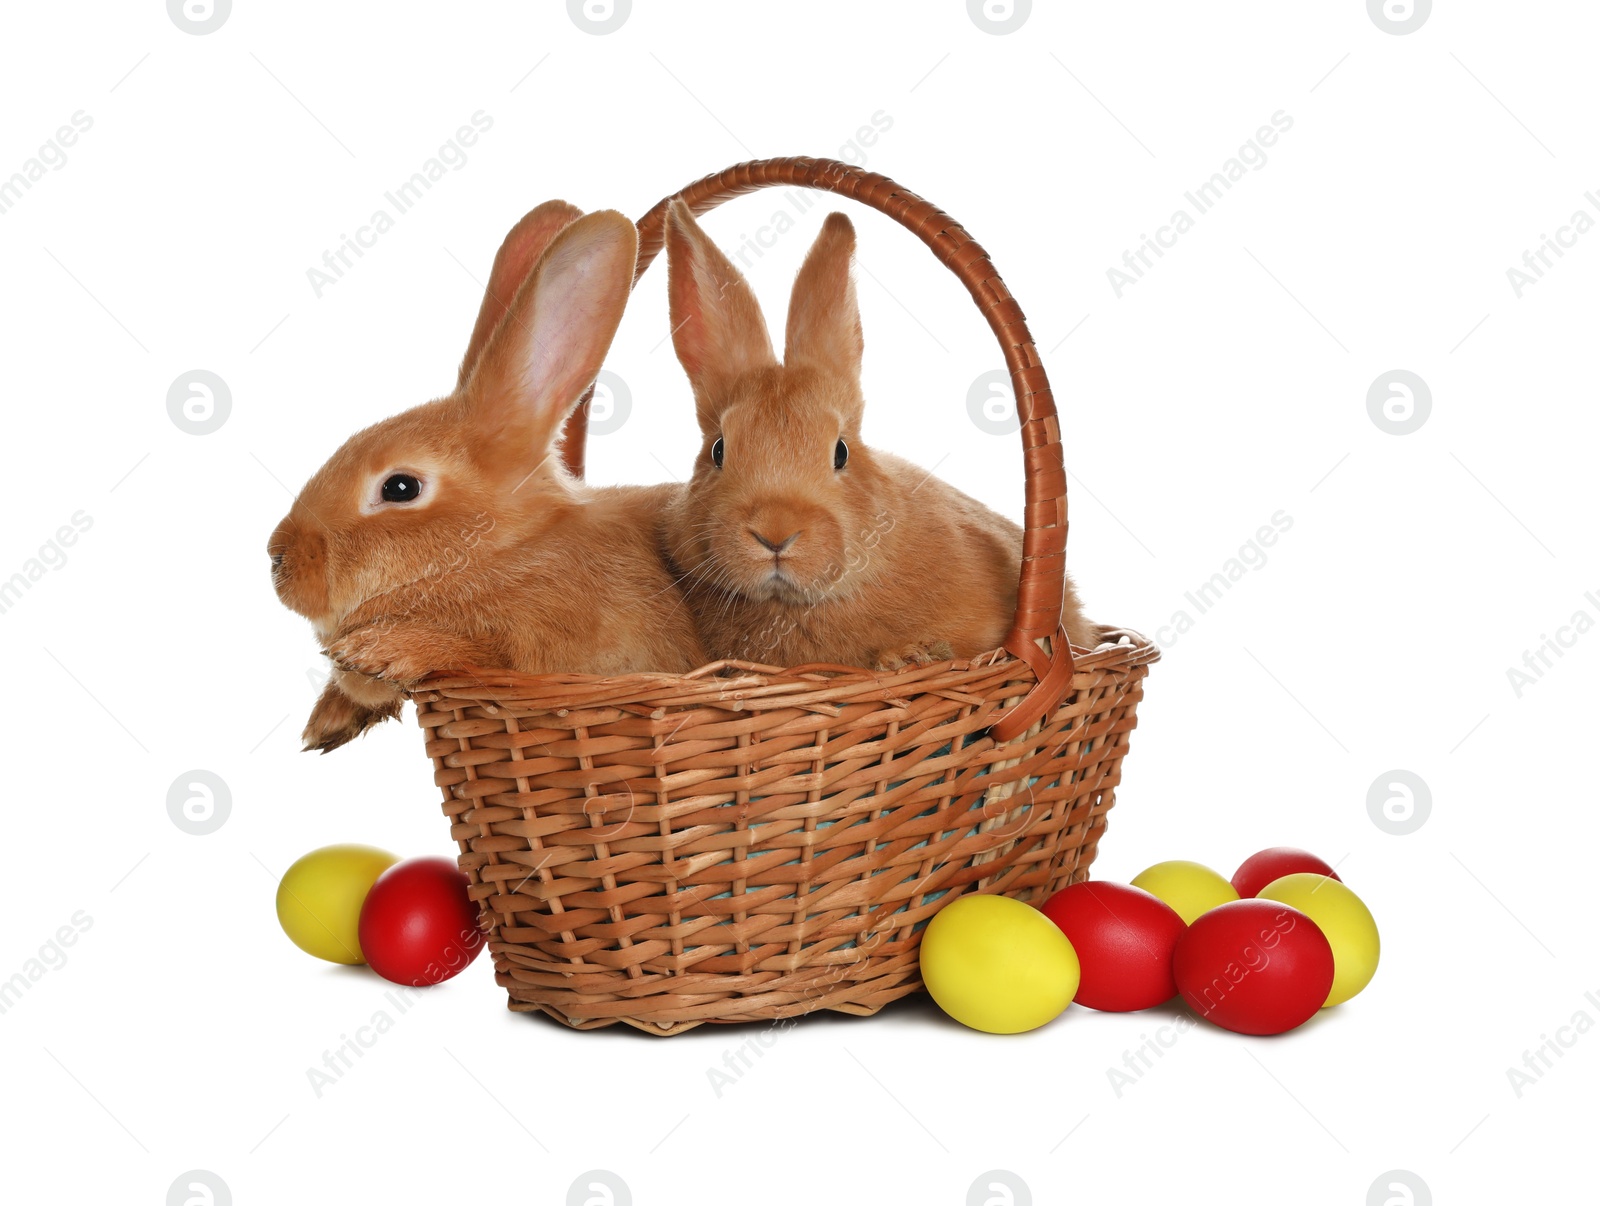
(717, 326)
(824, 328)
(512, 263)
(554, 338)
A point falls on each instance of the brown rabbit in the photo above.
(797, 542)
(451, 536)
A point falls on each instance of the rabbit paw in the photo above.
(915, 655)
(337, 719)
(401, 651)
(383, 651)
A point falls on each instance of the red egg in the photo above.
(1254, 966)
(418, 924)
(1260, 869)
(1124, 937)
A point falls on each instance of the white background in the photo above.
(1227, 385)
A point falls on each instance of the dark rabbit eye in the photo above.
(716, 453)
(402, 488)
(841, 454)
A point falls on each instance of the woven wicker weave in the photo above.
(748, 842)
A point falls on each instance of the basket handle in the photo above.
(1036, 636)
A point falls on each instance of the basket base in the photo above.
(666, 1028)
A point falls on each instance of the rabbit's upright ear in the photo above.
(824, 327)
(512, 263)
(551, 344)
(717, 328)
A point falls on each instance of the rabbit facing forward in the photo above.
(451, 536)
(798, 543)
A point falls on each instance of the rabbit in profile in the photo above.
(798, 543)
(451, 536)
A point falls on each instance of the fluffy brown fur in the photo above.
(503, 559)
(786, 559)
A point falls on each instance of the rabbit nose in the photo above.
(278, 543)
(775, 546)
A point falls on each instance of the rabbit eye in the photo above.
(401, 488)
(717, 453)
(841, 454)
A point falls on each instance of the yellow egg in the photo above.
(998, 965)
(320, 896)
(1343, 919)
(1190, 888)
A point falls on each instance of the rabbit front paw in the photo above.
(381, 651)
(914, 655)
(401, 651)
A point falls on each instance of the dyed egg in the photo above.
(998, 965)
(320, 897)
(1254, 967)
(1188, 887)
(1261, 868)
(1342, 916)
(419, 925)
(1124, 938)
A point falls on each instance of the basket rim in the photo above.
(752, 686)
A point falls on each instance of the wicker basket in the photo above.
(747, 842)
